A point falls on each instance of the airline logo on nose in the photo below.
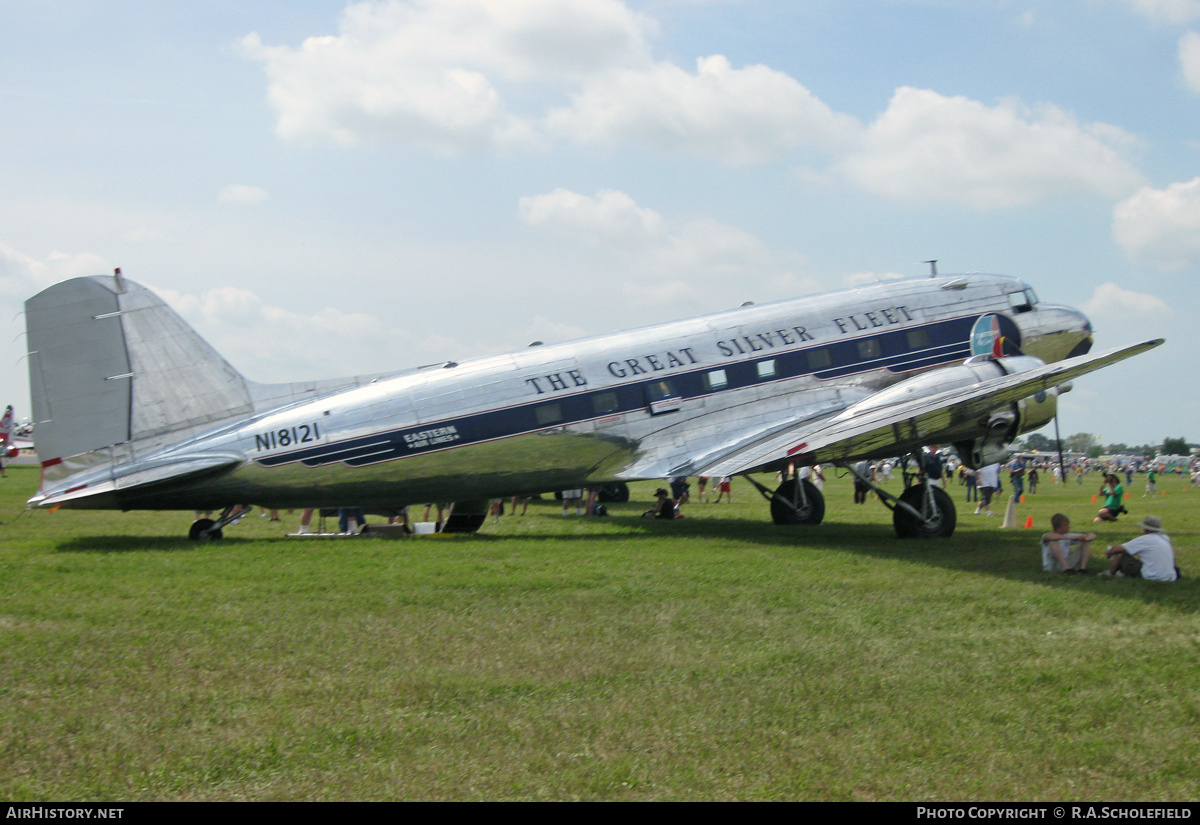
(986, 336)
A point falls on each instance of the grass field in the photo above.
(715, 657)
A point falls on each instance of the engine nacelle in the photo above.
(1005, 424)
(984, 440)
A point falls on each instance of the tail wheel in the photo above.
(810, 511)
(200, 530)
(938, 524)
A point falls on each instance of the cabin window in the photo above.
(869, 348)
(605, 402)
(658, 390)
(818, 359)
(766, 369)
(662, 397)
(917, 339)
(716, 380)
(548, 414)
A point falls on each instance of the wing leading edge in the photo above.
(903, 427)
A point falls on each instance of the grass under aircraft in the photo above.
(134, 410)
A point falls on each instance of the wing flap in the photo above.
(903, 427)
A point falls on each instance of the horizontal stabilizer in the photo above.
(112, 483)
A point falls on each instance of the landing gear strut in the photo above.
(795, 501)
(929, 513)
(921, 512)
(205, 529)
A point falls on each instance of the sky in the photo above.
(329, 188)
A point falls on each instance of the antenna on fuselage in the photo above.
(932, 268)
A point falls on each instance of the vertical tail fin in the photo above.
(110, 363)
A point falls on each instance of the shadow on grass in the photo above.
(1013, 554)
(138, 544)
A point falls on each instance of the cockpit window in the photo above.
(1022, 301)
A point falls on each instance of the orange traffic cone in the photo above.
(1127, 496)
(1093, 499)
(1022, 498)
(1028, 522)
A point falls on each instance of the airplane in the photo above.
(133, 410)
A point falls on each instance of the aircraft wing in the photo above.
(903, 427)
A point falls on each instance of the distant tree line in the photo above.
(1087, 443)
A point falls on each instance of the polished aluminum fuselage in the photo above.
(597, 409)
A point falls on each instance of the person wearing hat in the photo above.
(1150, 556)
(664, 507)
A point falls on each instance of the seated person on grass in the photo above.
(664, 507)
(1150, 556)
(1057, 555)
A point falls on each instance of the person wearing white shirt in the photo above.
(1150, 556)
(989, 483)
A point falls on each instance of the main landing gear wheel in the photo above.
(617, 491)
(200, 530)
(938, 524)
(808, 511)
(464, 522)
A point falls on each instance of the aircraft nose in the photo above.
(1053, 332)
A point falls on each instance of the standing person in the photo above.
(679, 489)
(1151, 478)
(6, 430)
(1150, 556)
(724, 488)
(861, 488)
(524, 504)
(1113, 494)
(931, 466)
(441, 508)
(1016, 474)
(573, 495)
(989, 483)
(305, 520)
(1033, 479)
(971, 477)
(702, 488)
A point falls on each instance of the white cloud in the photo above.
(611, 217)
(740, 116)
(240, 193)
(650, 242)
(1189, 60)
(1161, 226)
(431, 74)
(21, 276)
(926, 146)
(1111, 301)
(672, 261)
(1168, 11)
(288, 346)
(425, 72)
(437, 75)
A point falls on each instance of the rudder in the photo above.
(110, 363)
